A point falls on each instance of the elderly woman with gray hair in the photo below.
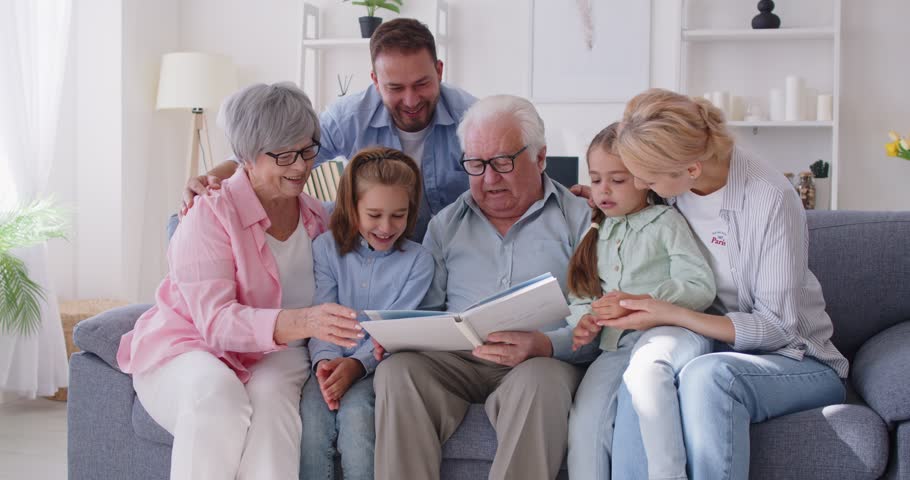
(219, 360)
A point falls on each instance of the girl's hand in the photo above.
(645, 313)
(585, 332)
(608, 307)
(335, 378)
(378, 350)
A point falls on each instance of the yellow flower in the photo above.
(893, 136)
(891, 149)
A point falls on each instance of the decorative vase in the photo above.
(368, 25)
(765, 19)
(806, 189)
(823, 193)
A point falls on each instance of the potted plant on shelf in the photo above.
(822, 184)
(370, 22)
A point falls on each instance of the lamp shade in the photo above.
(194, 80)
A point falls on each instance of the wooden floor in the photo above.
(32, 439)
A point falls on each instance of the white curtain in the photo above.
(34, 36)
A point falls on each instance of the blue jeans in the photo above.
(720, 396)
(658, 356)
(352, 426)
(592, 414)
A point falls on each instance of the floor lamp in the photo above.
(195, 81)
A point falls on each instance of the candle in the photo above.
(825, 107)
(776, 105)
(793, 103)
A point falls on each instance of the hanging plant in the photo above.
(20, 296)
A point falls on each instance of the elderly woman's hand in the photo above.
(330, 322)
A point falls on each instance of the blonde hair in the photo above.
(373, 166)
(665, 132)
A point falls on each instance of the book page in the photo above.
(511, 290)
(437, 333)
(396, 314)
(541, 306)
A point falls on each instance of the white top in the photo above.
(294, 258)
(703, 215)
(412, 143)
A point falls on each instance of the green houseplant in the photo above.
(370, 22)
(20, 296)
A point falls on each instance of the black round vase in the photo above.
(765, 19)
(368, 25)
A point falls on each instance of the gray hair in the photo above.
(512, 108)
(264, 118)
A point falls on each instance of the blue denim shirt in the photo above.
(474, 261)
(367, 280)
(361, 120)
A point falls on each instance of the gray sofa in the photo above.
(861, 258)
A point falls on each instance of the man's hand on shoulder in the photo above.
(583, 191)
(204, 184)
(512, 348)
(201, 185)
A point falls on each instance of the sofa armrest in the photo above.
(881, 373)
(101, 334)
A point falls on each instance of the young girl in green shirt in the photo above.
(634, 249)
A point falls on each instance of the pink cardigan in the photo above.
(222, 293)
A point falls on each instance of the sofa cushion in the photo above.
(899, 463)
(862, 260)
(101, 333)
(839, 441)
(146, 427)
(474, 439)
(881, 373)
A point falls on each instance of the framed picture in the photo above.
(589, 51)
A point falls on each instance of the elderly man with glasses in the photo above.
(514, 224)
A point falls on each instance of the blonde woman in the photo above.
(769, 316)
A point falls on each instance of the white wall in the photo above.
(153, 149)
(111, 150)
(489, 55)
(99, 138)
(121, 162)
(875, 99)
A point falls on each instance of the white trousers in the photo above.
(222, 428)
(657, 357)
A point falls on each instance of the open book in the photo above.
(537, 304)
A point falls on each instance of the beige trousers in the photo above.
(421, 398)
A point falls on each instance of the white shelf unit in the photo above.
(320, 57)
(712, 35)
(770, 124)
(720, 52)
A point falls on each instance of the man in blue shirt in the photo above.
(514, 224)
(407, 108)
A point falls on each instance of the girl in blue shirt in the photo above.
(364, 262)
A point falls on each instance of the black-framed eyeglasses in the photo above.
(283, 159)
(499, 163)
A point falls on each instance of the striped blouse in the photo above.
(781, 307)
